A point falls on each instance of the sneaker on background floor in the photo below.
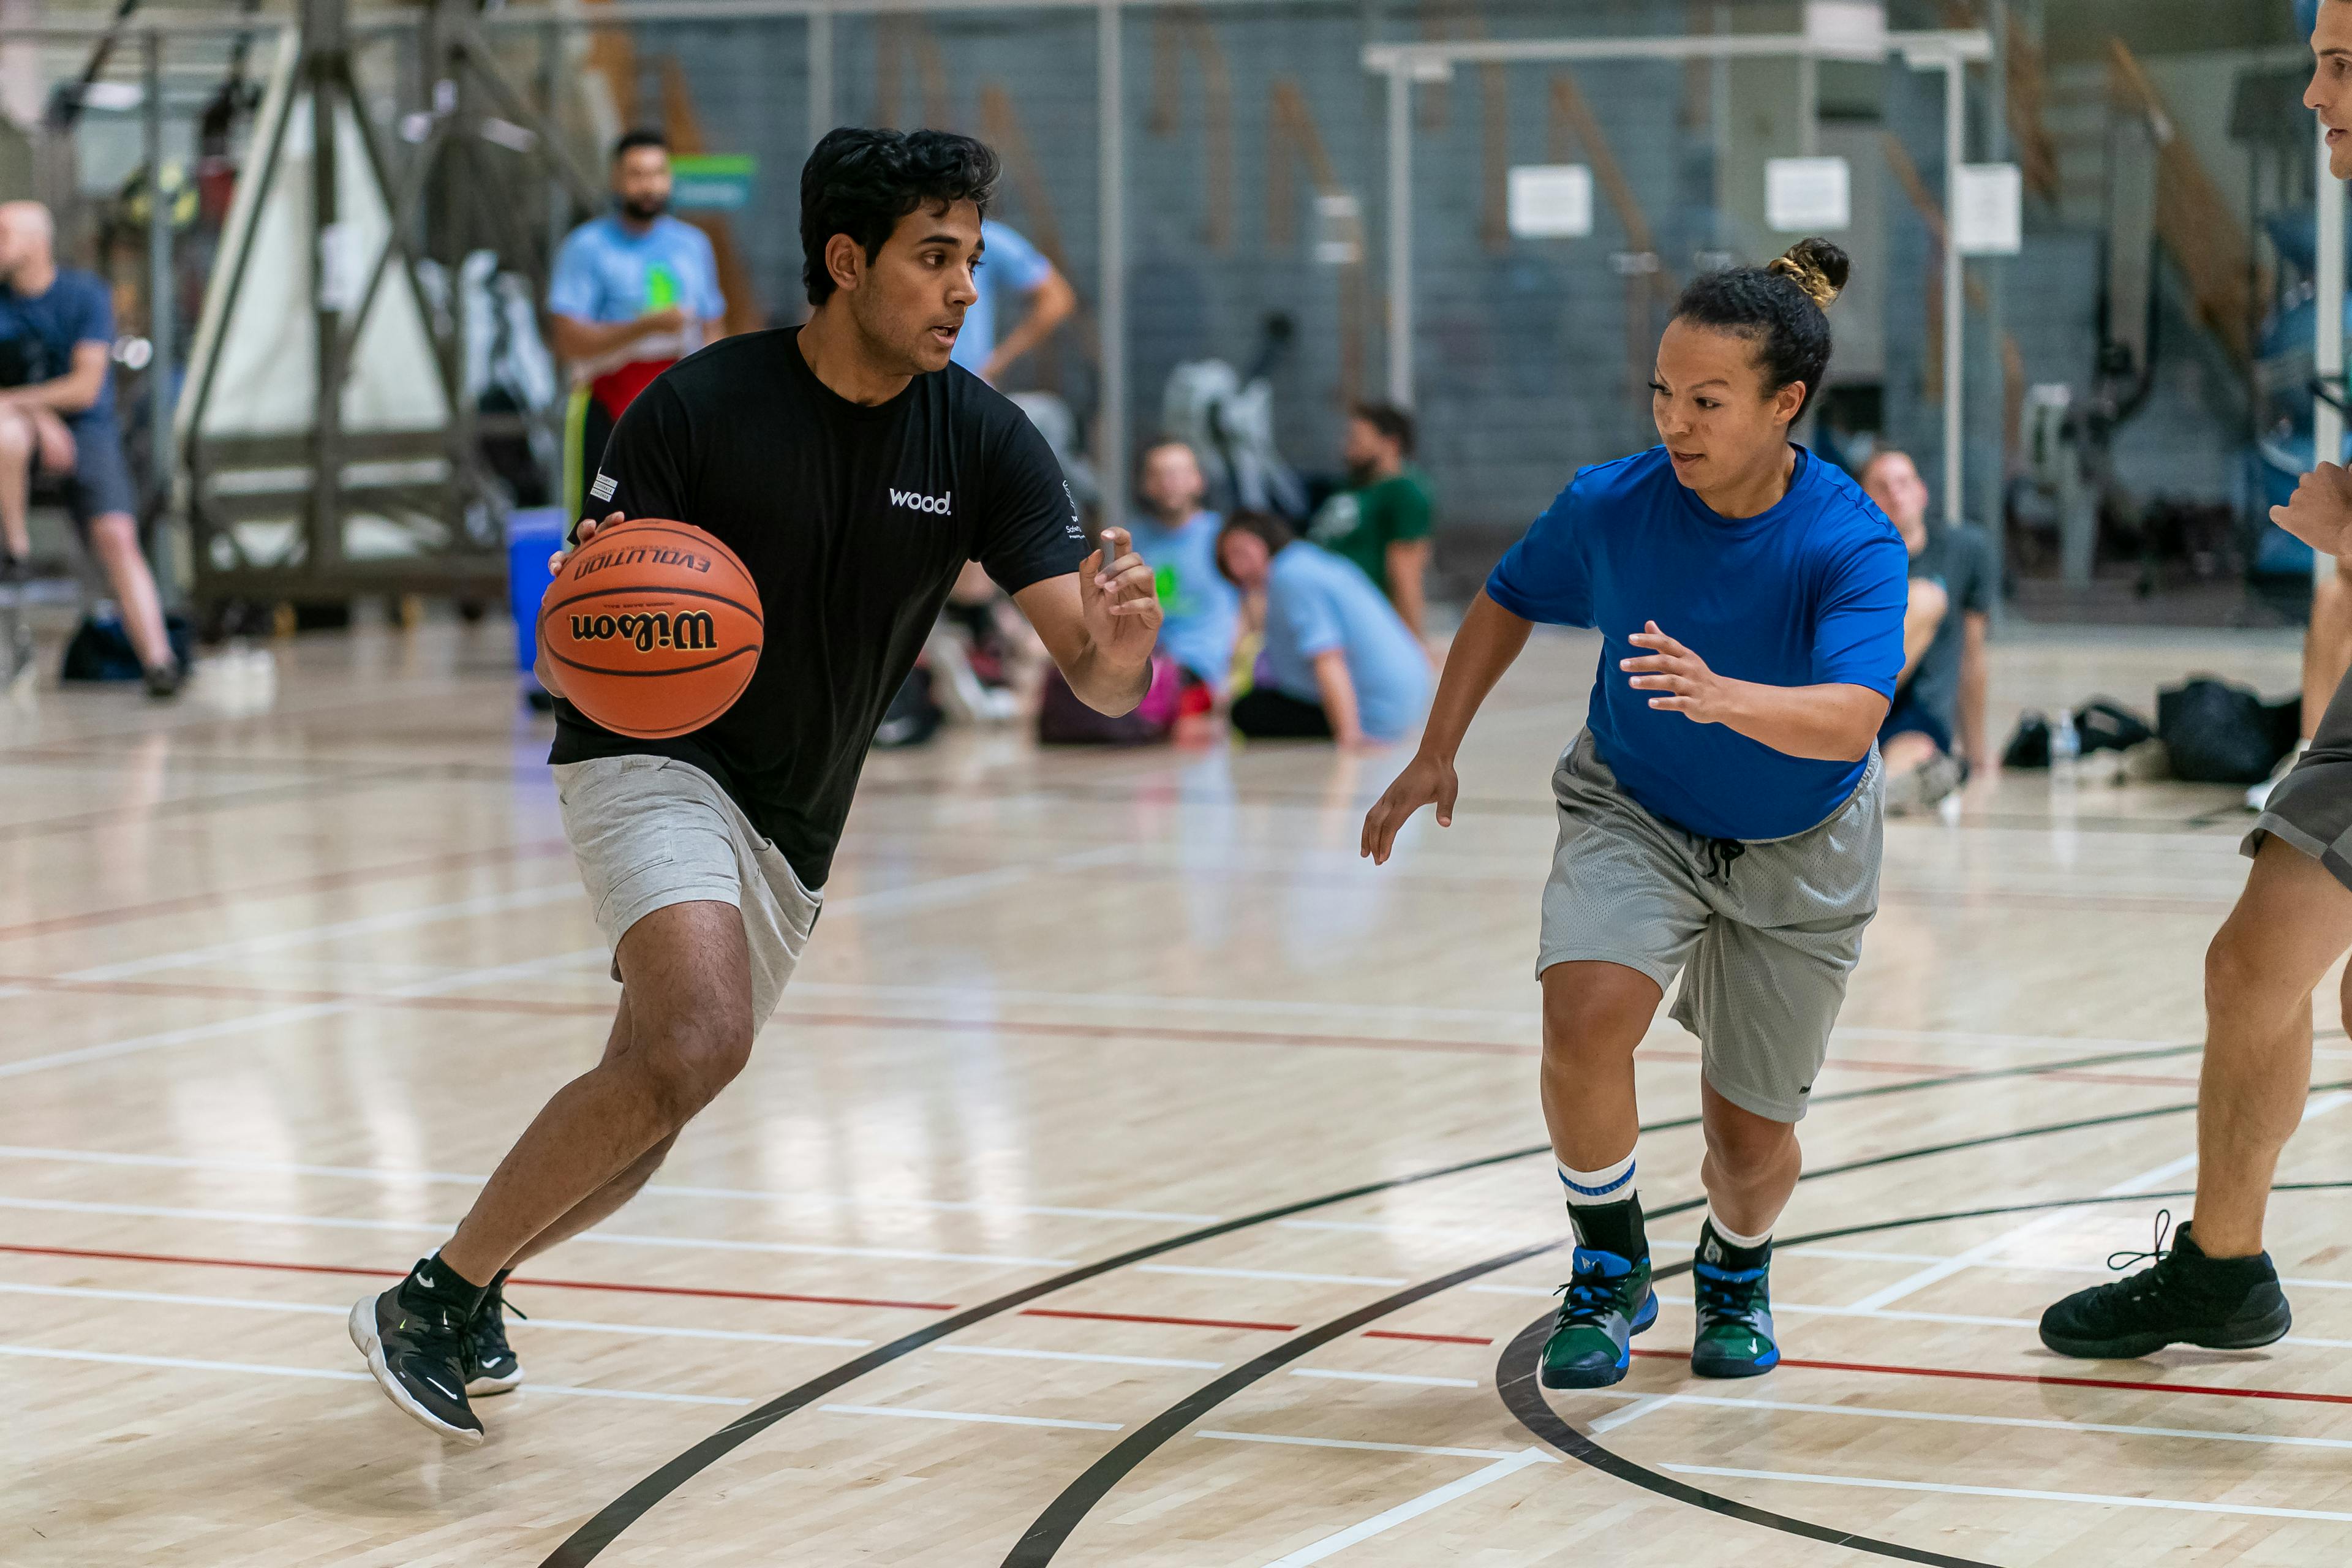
(2258, 798)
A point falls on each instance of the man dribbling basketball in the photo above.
(853, 472)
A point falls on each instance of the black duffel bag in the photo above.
(2218, 732)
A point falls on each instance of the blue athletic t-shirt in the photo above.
(41, 330)
(1315, 602)
(1810, 593)
(1202, 610)
(1008, 264)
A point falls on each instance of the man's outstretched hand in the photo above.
(2321, 512)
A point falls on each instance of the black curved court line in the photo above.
(584, 1543)
(1052, 1528)
(1515, 1380)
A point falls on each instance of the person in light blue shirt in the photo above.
(633, 292)
(1338, 663)
(1010, 269)
(1721, 816)
(1179, 536)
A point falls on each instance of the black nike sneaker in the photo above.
(491, 1366)
(417, 1353)
(2219, 1303)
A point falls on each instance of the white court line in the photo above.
(1070, 1355)
(905, 1413)
(394, 920)
(2050, 1219)
(1386, 1377)
(250, 1304)
(1208, 1273)
(2098, 1499)
(305, 1013)
(331, 1374)
(2200, 1434)
(914, 896)
(1642, 1404)
(1364, 1446)
(1389, 1519)
(396, 1177)
(446, 1227)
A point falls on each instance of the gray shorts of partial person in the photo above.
(649, 832)
(2311, 807)
(1762, 934)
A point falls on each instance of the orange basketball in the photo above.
(655, 627)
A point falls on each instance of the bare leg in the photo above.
(1907, 753)
(1751, 1164)
(605, 1200)
(114, 540)
(16, 444)
(1594, 1014)
(2293, 920)
(2326, 646)
(686, 978)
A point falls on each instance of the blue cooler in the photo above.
(533, 533)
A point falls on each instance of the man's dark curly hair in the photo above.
(861, 182)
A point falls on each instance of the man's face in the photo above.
(1366, 447)
(1172, 486)
(640, 180)
(909, 301)
(1892, 481)
(2330, 93)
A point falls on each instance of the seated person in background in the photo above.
(1012, 268)
(1941, 696)
(1339, 663)
(57, 323)
(1381, 521)
(2326, 655)
(1179, 536)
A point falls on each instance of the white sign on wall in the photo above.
(1992, 209)
(1851, 29)
(1551, 201)
(1815, 195)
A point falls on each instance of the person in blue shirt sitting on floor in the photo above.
(1719, 817)
(1339, 664)
(1203, 610)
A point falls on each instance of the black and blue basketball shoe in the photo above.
(1606, 1301)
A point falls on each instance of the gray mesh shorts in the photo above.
(1762, 934)
(2311, 807)
(652, 831)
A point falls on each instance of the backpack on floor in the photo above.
(1065, 720)
(101, 649)
(2219, 732)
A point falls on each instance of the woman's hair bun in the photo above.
(1816, 265)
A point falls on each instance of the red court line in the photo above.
(1432, 1339)
(317, 883)
(515, 1279)
(1146, 1318)
(2044, 1378)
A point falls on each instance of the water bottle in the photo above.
(2065, 744)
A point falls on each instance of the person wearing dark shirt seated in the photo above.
(57, 329)
(1339, 663)
(1934, 737)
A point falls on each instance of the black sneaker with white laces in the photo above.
(2219, 1303)
(414, 1343)
(491, 1366)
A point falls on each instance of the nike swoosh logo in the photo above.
(436, 1387)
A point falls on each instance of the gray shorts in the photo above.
(1763, 939)
(2311, 807)
(649, 832)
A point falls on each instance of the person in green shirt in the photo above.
(1382, 521)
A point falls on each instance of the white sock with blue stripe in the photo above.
(1608, 1184)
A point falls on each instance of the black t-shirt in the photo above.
(853, 522)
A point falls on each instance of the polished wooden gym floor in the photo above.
(1132, 1177)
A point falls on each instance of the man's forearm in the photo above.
(579, 339)
(1490, 638)
(65, 394)
(1974, 682)
(1826, 724)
